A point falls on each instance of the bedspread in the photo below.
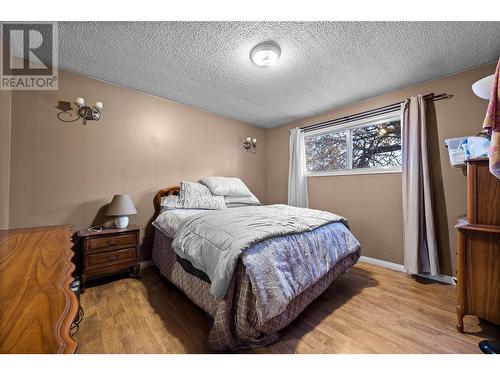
(214, 241)
(235, 321)
(281, 268)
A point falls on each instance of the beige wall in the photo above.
(372, 203)
(64, 172)
(5, 101)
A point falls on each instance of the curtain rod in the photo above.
(372, 112)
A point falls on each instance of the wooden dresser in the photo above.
(478, 263)
(37, 306)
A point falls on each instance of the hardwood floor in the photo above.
(368, 310)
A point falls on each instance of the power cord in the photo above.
(97, 228)
(75, 326)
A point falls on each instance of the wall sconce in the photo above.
(88, 113)
(250, 144)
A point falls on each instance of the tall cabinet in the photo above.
(478, 265)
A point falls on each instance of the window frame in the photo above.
(373, 120)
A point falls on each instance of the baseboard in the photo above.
(146, 263)
(383, 263)
(401, 268)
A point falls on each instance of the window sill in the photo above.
(354, 172)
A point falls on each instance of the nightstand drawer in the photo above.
(110, 257)
(108, 243)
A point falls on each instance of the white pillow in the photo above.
(195, 195)
(170, 202)
(241, 201)
(231, 186)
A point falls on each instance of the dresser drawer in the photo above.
(110, 242)
(110, 257)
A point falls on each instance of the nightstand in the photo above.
(109, 252)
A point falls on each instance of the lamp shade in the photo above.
(482, 88)
(121, 205)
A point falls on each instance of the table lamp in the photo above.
(121, 206)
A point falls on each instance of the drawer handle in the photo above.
(112, 258)
(112, 243)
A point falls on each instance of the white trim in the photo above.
(357, 171)
(382, 263)
(401, 268)
(146, 263)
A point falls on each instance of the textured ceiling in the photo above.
(323, 65)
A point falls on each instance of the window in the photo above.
(370, 145)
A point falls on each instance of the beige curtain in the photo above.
(420, 250)
(297, 180)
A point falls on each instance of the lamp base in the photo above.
(121, 222)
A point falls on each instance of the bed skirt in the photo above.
(235, 322)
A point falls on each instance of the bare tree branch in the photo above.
(373, 146)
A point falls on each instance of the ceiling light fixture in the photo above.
(265, 54)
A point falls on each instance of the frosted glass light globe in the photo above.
(265, 54)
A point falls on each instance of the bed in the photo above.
(238, 319)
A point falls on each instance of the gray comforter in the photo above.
(213, 241)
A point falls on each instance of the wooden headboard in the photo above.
(171, 190)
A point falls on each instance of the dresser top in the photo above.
(37, 306)
(476, 160)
